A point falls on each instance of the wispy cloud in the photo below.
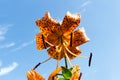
(23, 45)
(6, 70)
(7, 45)
(83, 7)
(86, 3)
(3, 31)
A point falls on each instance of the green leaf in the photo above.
(71, 68)
(66, 73)
(61, 79)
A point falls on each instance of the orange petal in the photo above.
(70, 22)
(74, 50)
(52, 52)
(53, 39)
(33, 75)
(48, 25)
(79, 37)
(39, 42)
(53, 74)
(76, 73)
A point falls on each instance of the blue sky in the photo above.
(18, 52)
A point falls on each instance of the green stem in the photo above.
(66, 63)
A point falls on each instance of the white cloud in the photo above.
(23, 45)
(6, 70)
(83, 7)
(3, 31)
(86, 3)
(7, 45)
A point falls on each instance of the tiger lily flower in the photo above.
(60, 39)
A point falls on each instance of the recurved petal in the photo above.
(48, 25)
(40, 44)
(76, 73)
(79, 37)
(73, 52)
(55, 53)
(33, 75)
(53, 74)
(70, 22)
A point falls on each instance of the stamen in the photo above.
(81, 57)
(36, 66)
(90, 58)
(73, 53)
(80, 76)
(41, 63)
(58, 62)
(46, 60)
(49, 43)
(68, 60)
(43, 41)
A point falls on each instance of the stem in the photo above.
(68, 60)
(66, 63)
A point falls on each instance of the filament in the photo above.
(41, 63)
(73, 53)
(58, 62)
(49, 43)
(68, 60)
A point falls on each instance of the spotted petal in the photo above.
(70, 22)
(40, 44)
(79, 37)
(49, 27)
(55, 53)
